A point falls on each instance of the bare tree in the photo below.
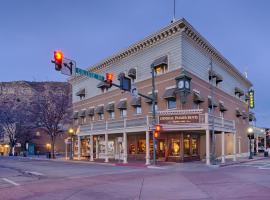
(13, 119)
(51, 113)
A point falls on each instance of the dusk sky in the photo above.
(88, 31)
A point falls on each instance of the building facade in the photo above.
(115, 125)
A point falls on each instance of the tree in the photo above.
(13, 120)
(51, 113)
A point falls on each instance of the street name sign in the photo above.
(89, 74)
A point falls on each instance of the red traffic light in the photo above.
(156, 134)
(58, 57)
(109, 77)
(158, 128)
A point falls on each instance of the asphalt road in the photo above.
(59, 180)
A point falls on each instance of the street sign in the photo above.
(89, 74)
(68, 67)
(134, 91)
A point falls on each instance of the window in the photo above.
(141, 146)
(82, 97)
(123, 112)
(171, 103)
(195, 105)
(138, 110)
(112, 115)
(83, 120)
(161, 69)
(100, 116)
(92, 118)
(175, 147)
(221, 114)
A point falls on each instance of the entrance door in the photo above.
(191, 147)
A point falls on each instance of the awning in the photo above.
(122, 105)
(110, 107)
(102, 84)
(136, 101)
(219, 78)
(75, 115)
(99, 110)
(238, 113)
(169, 94)
(82, 113)
(238, 91)
(81, 92)
(160, 61)
(251, 117)
(222, 108)
(150, 101)
(197, 98)
(91, 112)
(132, 73)
(210, 103)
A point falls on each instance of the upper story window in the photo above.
(160, 65)
(197, 100)
(82, 115)
(100, 111)
(91, 112)
(136, 103)
(169, 95)
(238, 92)
(215, 77)
(81, 94)
(110, 110)
(211, 105)
(150, 102)
(138, 110)
(122, 106)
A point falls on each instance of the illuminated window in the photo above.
(194, 146)
(187, 145)
(142, 146)
(161, 69)
(175, 147)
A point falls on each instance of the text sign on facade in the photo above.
(251, 98)
(89, 74)
(179, 119)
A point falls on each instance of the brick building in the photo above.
(115, 125)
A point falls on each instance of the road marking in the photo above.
(11, 182)
(34, 173)
(154, 167)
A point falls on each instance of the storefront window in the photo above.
(187, 145)
(142, 146)
(132, 149)
(175, 147)
(194, 146)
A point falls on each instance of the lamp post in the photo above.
(71, 133)
(250, 134)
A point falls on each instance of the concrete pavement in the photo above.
(66, 180)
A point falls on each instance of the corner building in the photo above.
(114, 125)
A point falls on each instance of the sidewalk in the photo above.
(230, 162)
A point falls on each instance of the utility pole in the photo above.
(213, 143)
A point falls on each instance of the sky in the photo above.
(90, 30)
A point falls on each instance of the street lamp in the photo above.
(250, 134)
(71, 133)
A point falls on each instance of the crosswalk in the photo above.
(260, 164)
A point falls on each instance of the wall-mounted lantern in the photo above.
(183, 84)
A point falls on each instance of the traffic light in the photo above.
(157, 130)
(58, 60)
(109, 79)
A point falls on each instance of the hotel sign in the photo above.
(178, 119)
(251, 98)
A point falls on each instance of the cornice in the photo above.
(165, 33)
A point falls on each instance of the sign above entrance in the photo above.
(178, 119)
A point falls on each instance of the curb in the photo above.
(244, 161)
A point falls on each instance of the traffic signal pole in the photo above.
(153, 112)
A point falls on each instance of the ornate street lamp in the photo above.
(250, 134)
(71, 132)
(183, 82)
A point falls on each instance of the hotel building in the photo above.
(113, 124)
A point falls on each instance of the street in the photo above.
(45, 179)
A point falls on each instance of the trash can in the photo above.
(265, 153)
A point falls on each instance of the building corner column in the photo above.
(207, 139)
(97, 146)
(125, 147)
(234, 146)
(147, 140)
(106, 148)
(222, 147)
(91, 148)
(79, 147)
